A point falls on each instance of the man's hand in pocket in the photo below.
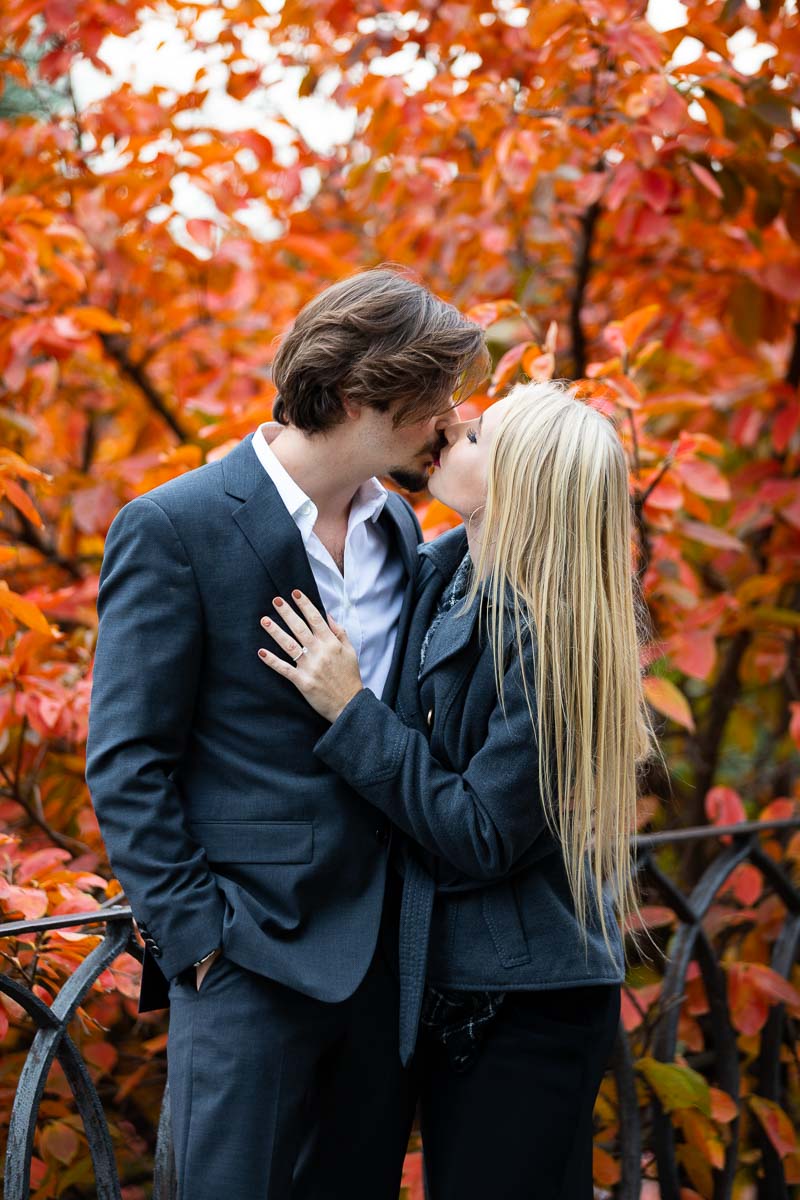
(202, 970)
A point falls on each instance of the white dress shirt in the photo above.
(368, 598)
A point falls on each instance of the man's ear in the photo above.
(352, 411)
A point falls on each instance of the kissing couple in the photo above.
(370, 797)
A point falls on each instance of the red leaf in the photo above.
(704, 478)
(706, 178)
(694, 652)
(37, 865)
(709, 535)
(777, 1125)
(487, 314)
(794, 722)
(507, 367)
(724, 807)
(60, 1142)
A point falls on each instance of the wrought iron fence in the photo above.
(689, 943)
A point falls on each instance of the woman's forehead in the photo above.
(494, 414)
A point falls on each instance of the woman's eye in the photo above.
(472, 436)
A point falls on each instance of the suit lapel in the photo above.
(268, 527)
(401, 527)
(408, 705)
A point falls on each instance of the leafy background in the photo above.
(614, 202)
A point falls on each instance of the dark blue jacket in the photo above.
(220, 823)
(460, 777)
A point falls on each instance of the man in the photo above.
(256, 878)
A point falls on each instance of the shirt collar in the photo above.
(367, 503)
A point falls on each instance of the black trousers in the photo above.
(517, 1124)
(277, 1096)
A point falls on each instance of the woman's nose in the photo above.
(445, 420)
(454, 431)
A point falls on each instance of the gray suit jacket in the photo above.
(220, 823)
(488, 891)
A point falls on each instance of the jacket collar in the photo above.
(271, 531)
(454, 634)
(447, 550)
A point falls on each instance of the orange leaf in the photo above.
(606, 1170)
(723, 1107)
(540, 367)
(21, 500)
(633, 326)
(667, 699)
(548, 19)
(97, 319)
(23, 610)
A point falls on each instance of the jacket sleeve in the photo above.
(482, 821)
(147, 663)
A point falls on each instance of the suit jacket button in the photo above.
(430, 717)
(156, 951)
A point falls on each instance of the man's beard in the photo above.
(409, 479)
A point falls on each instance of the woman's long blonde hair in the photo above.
(557, 526)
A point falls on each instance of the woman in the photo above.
(511, 764)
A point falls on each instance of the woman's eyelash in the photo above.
(472, 436)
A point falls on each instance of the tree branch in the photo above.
(135, 372)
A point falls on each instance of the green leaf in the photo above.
(676, 1086)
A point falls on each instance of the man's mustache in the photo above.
(438, 446)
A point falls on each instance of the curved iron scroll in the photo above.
(51, 1041)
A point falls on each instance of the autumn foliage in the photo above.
(612, 203)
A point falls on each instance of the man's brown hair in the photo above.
(379, 339)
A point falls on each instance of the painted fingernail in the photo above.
(277, 602)
(266, 621)
(297, 594)
(262, 654)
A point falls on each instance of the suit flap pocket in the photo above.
(255, 841)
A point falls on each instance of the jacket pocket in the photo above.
(248, 841)
(501, 913)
